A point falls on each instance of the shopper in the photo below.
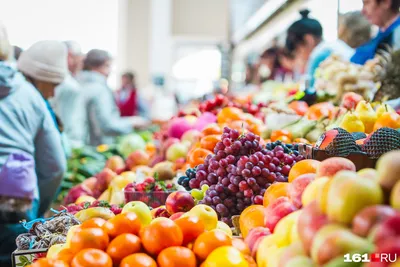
(305, 41)
(17, 52)
(68, 101)
(102, 113)
(32, 160)
(386, 15)
(354, 29)
(128, 99)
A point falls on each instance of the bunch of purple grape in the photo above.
(240, 171)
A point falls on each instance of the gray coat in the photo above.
(102, 115)
(27, 126)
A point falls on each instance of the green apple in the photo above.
(348, 194)
(176, 151)
(205, 214)
(141, 210)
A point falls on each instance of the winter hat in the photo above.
(45, 61)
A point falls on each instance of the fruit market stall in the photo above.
(240, 181)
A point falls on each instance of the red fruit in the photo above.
(139, 157)
(161, 212)
(77, 191)
(350, 100)
(169, 186)
(176, 215)
(150, 180)
(297, 187)
(116, 164)
(391, 250)
(255, 236)
(278, 209)
(310, 221)
(103, 179)
(369, 217)
(390, 228)
(179, 201)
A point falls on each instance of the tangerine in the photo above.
(93, 223)
(388, 119)
(209, 241)
(317, 111)
(92, 257)
(212, 128)
(160, 235)
(176, 257)
(303, 167)
(284, 139)
(89, 238)
(138, 260)
(197, 156)
(43, 262)
(123, 223)
(208, 142)
(275, 191)
(279, 133)
(252, 216)
(229, 114)
(65, 255)
(300, 107)
(191, 227)
(122, 246)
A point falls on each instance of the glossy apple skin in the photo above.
(278, 209)
(310, 221)
(254, 237)
(369, 217)
(137, 158)
(297, 187)
(389, 228)
(179, 201)
(116, 164)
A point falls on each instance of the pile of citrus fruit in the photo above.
(127, 241)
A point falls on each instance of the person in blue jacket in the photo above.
(32, 160)
(386, 15)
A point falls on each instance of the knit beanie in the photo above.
(45, 61)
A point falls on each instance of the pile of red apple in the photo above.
(333, 215)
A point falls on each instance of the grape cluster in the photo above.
(184, 180)
(240, 171)
(292, 149)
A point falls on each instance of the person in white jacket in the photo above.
(102, 115)
(68, 99)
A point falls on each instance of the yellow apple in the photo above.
(322, 196)
(206, 214)
(224, 228)
(141, 210)
(348, 194)
(310, 193)
(54, 250)
(283, 229)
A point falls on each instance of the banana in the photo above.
(96, 212)
(301, 128)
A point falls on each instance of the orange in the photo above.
(197, 156)
(256, 129)
(212, 129)
(48, 263)
(89, 238)
(251, 217)
(93, 223)
(240, 245)
(92, 257)
(123, 223)
(303, 167)
(239, 125)
(66, 255)
(151, 149)
(160, 235)
(317, 111)
(229, 114)
(300, 107)
(388, 119)
(284, 139)
(279, 133)
(275, 191)
(208, 241)
(191, 227)
(208, 142)
(176, 257)
(122, 246)
(138, 260)
(301, 141)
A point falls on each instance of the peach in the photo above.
(388, 229)
(310, 221)
(278, 209)
(297, 187)
(331, 166)
(176, 215)
(269, 253)
(254, 238)
(179, 201)
(116, 164)
(369, 217)
(395, 196)
(160, 212)
(137, 158)
(284, 229)
(388, 168)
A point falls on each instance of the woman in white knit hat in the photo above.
(32, 160)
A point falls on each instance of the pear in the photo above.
(367, 115)
(384, 108)
(352, 123)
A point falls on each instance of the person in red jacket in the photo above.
(127, 97)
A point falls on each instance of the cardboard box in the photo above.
(21, 258)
